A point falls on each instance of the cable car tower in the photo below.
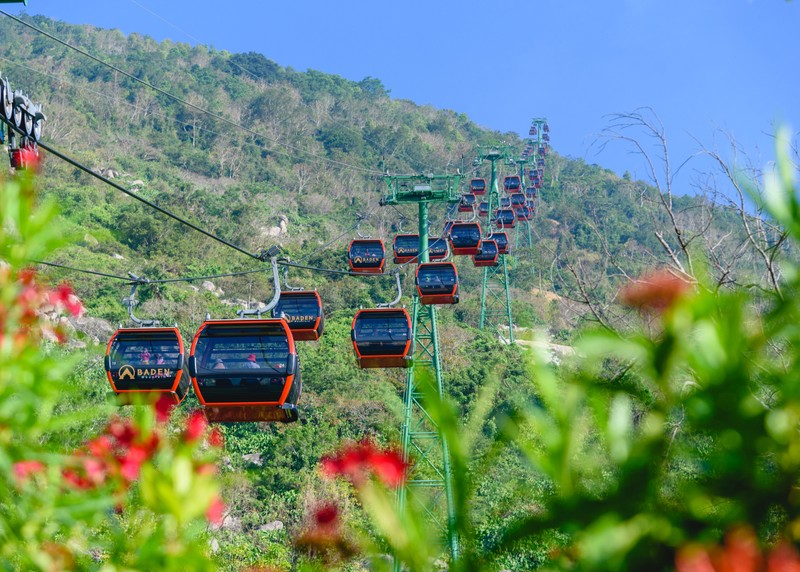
(522, 234)
(495, 294)
(430, 478)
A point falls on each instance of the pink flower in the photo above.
(24, 469)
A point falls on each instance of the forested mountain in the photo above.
(290, 158)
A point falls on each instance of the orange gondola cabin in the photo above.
(366, 256)
(405, 248)
(488, 256)
(437, 283)
(382, 337)
(477, 186)
(148, 362)
(465, 238)
(501, 239)
(302, 310)
(246, 370)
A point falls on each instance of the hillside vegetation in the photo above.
(311, 158)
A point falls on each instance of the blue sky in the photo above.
(702, 65)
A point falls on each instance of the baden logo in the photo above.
(127, 372)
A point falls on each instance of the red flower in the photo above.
(100, 446)
(356, 462)
(216, 438)
(195, 426)
(131, 461)
(215, 511)
(24, 469)
(327, 515)
(783, 558)
(654, 292)
(389, 467)
(76, 480)
(123, 431)
(164, 406)
(64, 297)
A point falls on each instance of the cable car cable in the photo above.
(162, 210)
(147, 281)
(188, 104)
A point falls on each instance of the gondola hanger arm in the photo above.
(399, 294)
(130, 303)
(276, 281)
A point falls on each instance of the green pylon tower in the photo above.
(522, 230)
(495, 294)
(429, 482)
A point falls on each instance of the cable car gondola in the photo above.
(511, 183)
(477, 186)
(505, 218)
(366, 256)
(465, 238)
(405, 248)
(483, 208)
(437, 283)
(382, 337)
(505, 202)
(488, 256)
(302, 310)
(148, 362)
(530, 193)
(523, 213)
(447, 226)
(438, 249)
(246, 370)
(531, 205)
(501, 239)
(517, 199)
(466, 203)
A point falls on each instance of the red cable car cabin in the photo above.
(246, 370)
(467, 203)
(483, 208)
(148, 362)
(438, 249)
(302, 310)
(511, 183)
(465, 238)
(488, 256)
(437, 283)
(501, 239)
(366, 256)
(405, 248)
(523, 213)
(382, 337)
(506, 218)
(530, 193)
(477, 186)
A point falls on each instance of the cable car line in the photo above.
(111, 98)
(84, 168)
(144, 280)
(188, 104)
